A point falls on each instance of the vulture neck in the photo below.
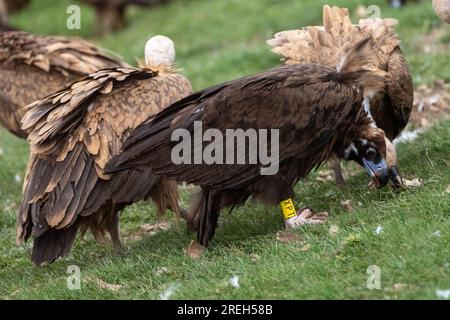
(160, 68)
(353, 129)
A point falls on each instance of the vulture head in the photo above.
(159, 50)
(369, 151)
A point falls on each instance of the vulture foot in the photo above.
(305, 216)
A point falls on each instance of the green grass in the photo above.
(218, 41)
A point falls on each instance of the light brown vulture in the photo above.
(110, 14)
(316, 110)
(390, 106)
(442, 9)
(34, 66)
(73, 133)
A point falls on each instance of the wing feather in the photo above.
(75, 132)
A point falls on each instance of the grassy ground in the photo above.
(218, 41)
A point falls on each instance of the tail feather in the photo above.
(328, 44)
(53, 244)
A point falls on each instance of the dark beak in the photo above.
(377, 171)
(396, 179)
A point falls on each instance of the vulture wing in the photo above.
(73, 133)
(303, 102)
(32, 66)
(328, 45)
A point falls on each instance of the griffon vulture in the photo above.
(34, 66)
(315, 110)
(442, 9)
(73, 133)
(391, 105)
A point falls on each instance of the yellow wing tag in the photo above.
(288, 209)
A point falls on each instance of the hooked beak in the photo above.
(377, 171)
(396, 179)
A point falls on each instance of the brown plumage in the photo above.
(316, 109)
(390, 106)
(33, 66)
(73, 133)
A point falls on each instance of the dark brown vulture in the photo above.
(73, 133)
(110, 14)
(390, 106)
(33, 66)
(314, 110)
(6, 8)
(442, 9)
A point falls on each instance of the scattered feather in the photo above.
(437, 233)
(170, 290)
(379, 230)
(234, 281)
(1, 152)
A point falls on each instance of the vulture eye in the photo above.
(371, 153)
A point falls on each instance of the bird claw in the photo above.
(305, 216)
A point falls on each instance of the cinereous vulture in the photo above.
(391, 105)
(315, 110)
(73, 133)
(34, 66)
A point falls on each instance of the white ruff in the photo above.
(160, 50)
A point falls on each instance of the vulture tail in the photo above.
(327, 44)
(358, 66)
(53, 244)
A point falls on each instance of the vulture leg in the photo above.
(113, 230)
(336, 166)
